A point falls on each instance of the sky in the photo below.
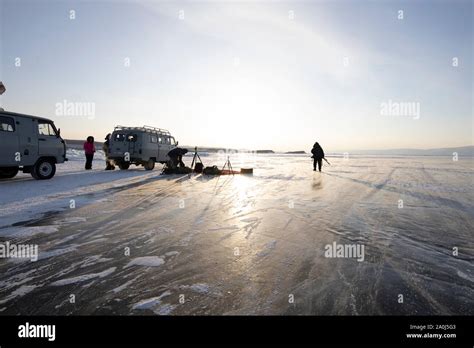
(275, 75)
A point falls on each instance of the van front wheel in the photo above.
(150, 164)
(43, 169)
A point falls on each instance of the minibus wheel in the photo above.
(150, 164)
(44, 169)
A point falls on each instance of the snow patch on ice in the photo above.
(66, 239)
(123, 286)
(465, 276)
(148, 261)
(21, 291)
(165, 309)
(85, 286)
(16, 280)
(102, 200)
(56, 252)
(201, 288)
(84, 277)
(70, 220)
(150, 302)
(92, 260)
(147, 304)
(27, 231)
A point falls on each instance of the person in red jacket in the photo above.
(89, 149)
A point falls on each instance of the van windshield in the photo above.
(119, 137)
(46, 128)
(132, 137)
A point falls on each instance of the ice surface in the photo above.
(148, 261)
(84, 277)
(56, 252)
(267, 248)
(19, 292)
(243, 244)
(26, 231)
(150, 302)
(125, 285)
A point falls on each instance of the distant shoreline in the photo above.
(464, 151)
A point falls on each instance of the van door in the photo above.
(118, 145)
(162, 149)
(27, 129)
(9, 148)
(167, 145)
(47, 139)
(133, 145)
(154, 147)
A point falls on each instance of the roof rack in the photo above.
(147, 129)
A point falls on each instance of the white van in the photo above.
(140, 146)
(30, 143)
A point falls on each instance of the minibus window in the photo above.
(7, 124)
(132, 138)
(45, 128)
(119, 137)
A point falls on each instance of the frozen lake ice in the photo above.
(135, 242)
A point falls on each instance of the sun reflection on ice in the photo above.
(243, 195)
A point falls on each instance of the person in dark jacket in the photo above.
(89, 149)
(109, 164)
(176, 157)
(318, 155)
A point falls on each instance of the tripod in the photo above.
(196, 157)
(229, 165)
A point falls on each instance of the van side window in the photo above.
(160, 140)
(153, 139)
(167, 141)
(7, 124)
(45, 128)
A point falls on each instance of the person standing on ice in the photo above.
(89, 150)
(318, 155)
(109, 165)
